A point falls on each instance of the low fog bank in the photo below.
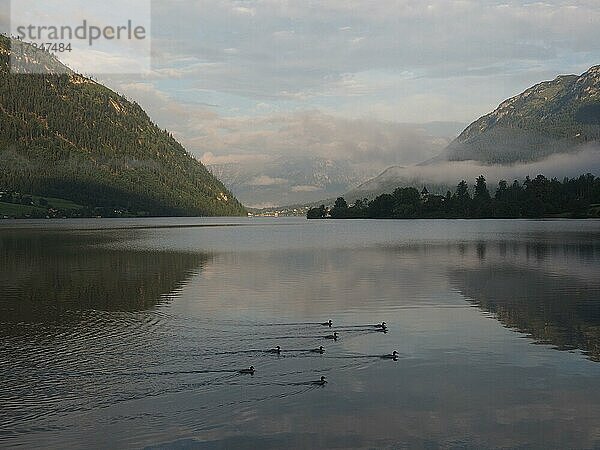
(446, 174)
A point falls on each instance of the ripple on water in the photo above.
(107, 358)
(166, 365)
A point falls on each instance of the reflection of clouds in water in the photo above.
(316, 283)
(536, 269)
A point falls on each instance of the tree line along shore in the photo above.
(539, 197)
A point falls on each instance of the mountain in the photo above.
(287, 180)
(551, 117)
(64, 135)
(526, 133)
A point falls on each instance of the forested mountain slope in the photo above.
(67, 136)
(551, 117)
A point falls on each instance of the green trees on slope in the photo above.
(69, 137)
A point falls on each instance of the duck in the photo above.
(329, 323)
(393, 355)
(318, 350)
(275, 350)
(321, 382)
(333, 336)
(381, 325)
(249, 371)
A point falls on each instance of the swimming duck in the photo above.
(394, 355)
(249, 371)
(381, 325)
(321, 382)
(329, 323)
(333, 336)
(318, 350)
(276, 350)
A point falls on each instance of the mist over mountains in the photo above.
(440, 177)
(551, 128)
(287, 180)
(312, 157)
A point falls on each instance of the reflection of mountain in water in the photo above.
(45, 274)
(560, 310)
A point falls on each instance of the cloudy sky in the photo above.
(248, 79)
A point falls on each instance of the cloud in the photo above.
(370, 143)
(265, 180)
(217, 139)
(243, 11)
(306, 188)
(394, 60)
(583, 159)
(298, 52)
(209, 158)
(4, 16)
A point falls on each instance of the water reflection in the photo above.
(555, 300)
(74, 322)
(133, 338)
(45, 276)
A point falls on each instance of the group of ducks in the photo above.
(323, 380)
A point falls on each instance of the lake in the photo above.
(130, 333)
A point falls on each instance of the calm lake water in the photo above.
(129, 333)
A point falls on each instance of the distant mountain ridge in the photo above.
(287, 180)
(64, 135)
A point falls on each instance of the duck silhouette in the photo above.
(318, 350)
(321, 382)
(333, 336)
(248, 371)
(329, 323)
(393, 355)
(275, 350)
